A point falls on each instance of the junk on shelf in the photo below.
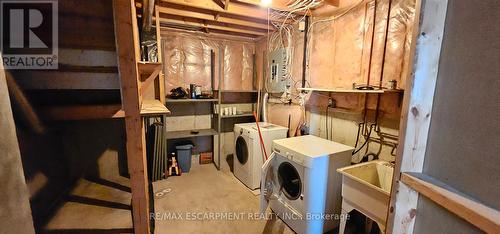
(194, 92)
(178, 93)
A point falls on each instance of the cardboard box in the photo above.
(206, 158)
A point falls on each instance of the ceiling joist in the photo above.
(232, 9)
(210, 17)
(179, 23)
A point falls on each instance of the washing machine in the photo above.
(301, 184)
(248, 156)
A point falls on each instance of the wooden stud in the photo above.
(416, 111)
(159, 44)
(127, 46)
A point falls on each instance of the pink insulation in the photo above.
(340, 49)
(397, 57)
(187, 61)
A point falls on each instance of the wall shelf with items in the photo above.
(340, 90)
(191, 100)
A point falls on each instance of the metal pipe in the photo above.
(304, 59)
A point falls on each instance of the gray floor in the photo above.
(94, 206)
(202, 192)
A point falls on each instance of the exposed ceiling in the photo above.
(211, 16)
(246, 18)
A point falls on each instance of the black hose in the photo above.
(364, 143)
(357, 135)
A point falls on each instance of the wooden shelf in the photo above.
(341, 90)
(153, 107)
(190, 100)
(394, 90)
(237, 116)
(237, 91)
(147, 67)
(188, 133)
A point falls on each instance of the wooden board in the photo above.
(153, 107)
(478, 214)
(127, 46)
(417, 108)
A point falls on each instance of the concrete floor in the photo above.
(94, 206)
(103, 206)
(206, 190)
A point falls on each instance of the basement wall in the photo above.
(339, 55)
(186, 60)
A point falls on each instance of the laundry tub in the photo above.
(366, 187)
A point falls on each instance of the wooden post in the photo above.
(417, 109)
(159, 45)
(127, 48)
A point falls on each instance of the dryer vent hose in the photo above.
(264, 107)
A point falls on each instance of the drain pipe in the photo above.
(264, 107)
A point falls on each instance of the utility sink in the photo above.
(366, 187)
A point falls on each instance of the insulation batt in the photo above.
(187, 61)
(345, 59)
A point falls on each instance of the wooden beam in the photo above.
(127, 46)
(159, 44)
(199, 24)
(149, 80)
(85, 112)
(234, 9)
(21, 101)
(428, 31)
(147, 14)
(220, 3)
(479, 215)
(210, 17)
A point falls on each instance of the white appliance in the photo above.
(301, 184)
(248, 156)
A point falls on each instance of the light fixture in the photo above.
(265, 2)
